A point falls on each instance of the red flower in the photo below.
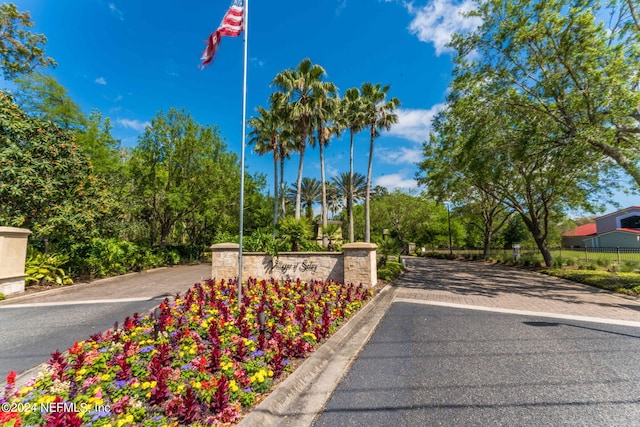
(11, 378)
(5, 417)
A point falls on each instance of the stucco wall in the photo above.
(357, 264)
(13, 253)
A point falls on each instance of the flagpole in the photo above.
(244, 135)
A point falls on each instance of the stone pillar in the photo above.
(13, 254)
(224, 260)
(360, 263)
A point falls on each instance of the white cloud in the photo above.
(101, 81)
(400, 155)
(394, 181)
(330, 170)
(414, 124)
(256, 61)
(133, 124)
(438, 20)
(114, 10)
(341, 6)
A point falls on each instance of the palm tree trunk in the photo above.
(282, 189)
(367, 200)
(275, 190)
(299, 188)
(351, 189)
(325, 242)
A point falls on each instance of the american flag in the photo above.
(231, 26)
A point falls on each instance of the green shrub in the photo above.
(390, 271)
(46, 269)
(626, 283)
(2, 296)
(629, 266)
(111, 257)
(558, 262)
(296, 233)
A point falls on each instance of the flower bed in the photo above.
(200, 360)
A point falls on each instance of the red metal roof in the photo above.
(629, 230)
(583, 230)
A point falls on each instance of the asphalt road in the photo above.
(429, 365)
(30, 334)
(34, 326)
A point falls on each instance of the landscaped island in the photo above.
(201, 359)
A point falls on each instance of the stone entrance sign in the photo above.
(13, 253)
(356, 264)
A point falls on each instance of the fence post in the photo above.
(618, 250)
(586, 253)
(561, 260)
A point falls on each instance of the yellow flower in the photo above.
(197, 384)
(233, 387)
(125, 421)
(95, 401)
(105, 377)
(43, 400)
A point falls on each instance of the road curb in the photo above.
(301, 397)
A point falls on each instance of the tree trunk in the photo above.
(367, 200)
(282, 189)
(350, 195)
(325, 241)
(275, 191)
(299, 187)
(486, 244)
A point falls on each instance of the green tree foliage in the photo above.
(538, 98)
(46, 181)
(298, 86)
(353, 118)
(409, 218)
(567, 64)
(20, 50)
(101, 147)
(295, 232)
(379, 115)
(310, 194)
(184, 183)
(351, 191)
(270, 134)
(485, 215)
(42, 96)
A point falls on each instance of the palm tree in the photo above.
(311, 190)
(325, 106)
(264, 136)
(286, 142)
(353, 118)
(380, 115)
(351, 189)
(334, 202)
(298, 87)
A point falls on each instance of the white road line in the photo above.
(94, 301)
(524, 312)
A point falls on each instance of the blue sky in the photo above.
(131, 59)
